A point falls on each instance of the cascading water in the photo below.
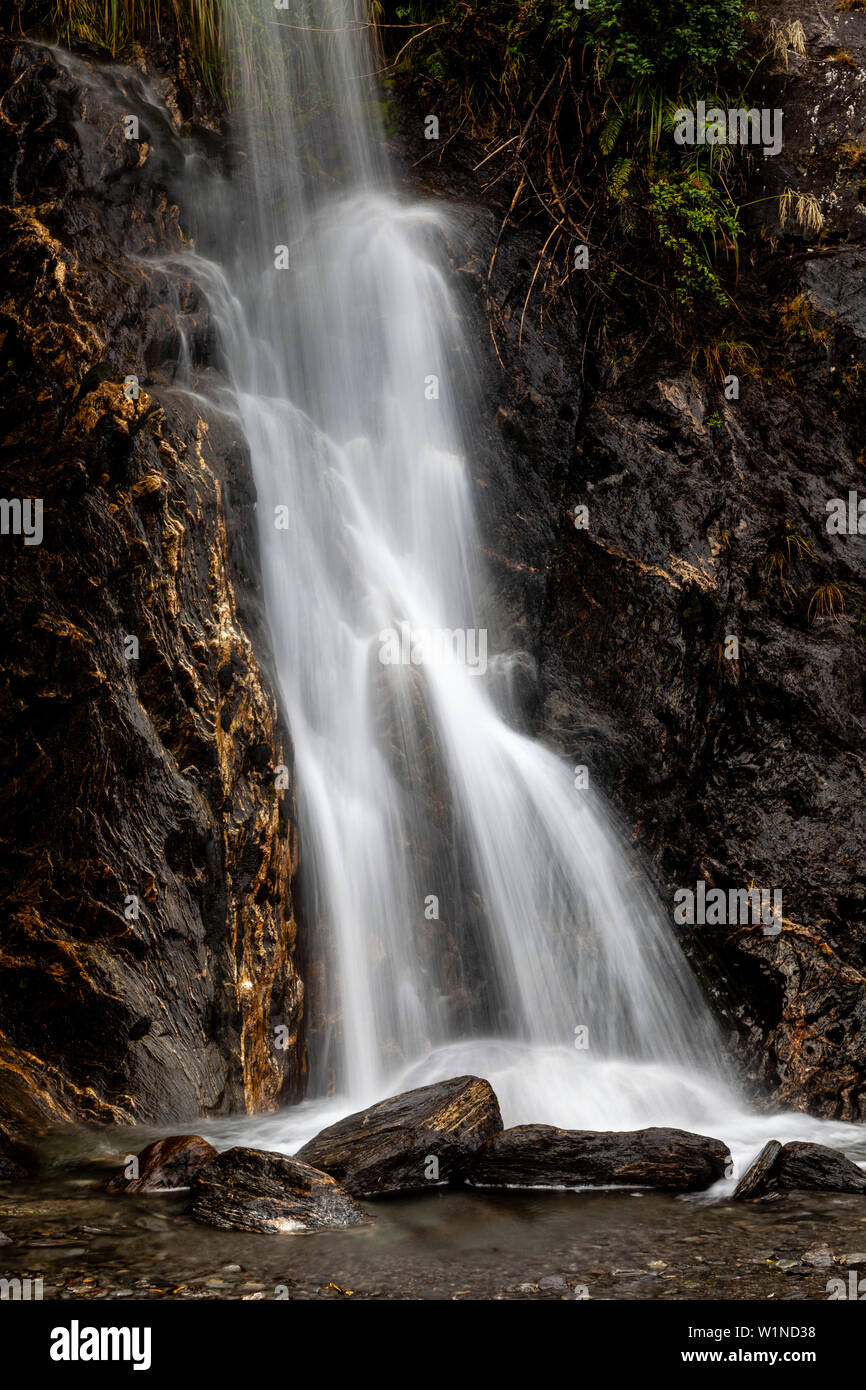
(413, 782)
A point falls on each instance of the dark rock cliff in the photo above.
(148, 944)
(707, 519)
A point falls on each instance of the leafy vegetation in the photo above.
(578, 109)
(690, 214)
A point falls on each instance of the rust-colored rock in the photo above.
(166, 1163)
(148, 950)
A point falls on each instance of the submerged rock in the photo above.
(544, 1156)
(411, 1141)
(167, 1163)
(754, 1180)
(250, 1190)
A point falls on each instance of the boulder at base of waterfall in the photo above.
(248, 1190)
(800, 1167)
(815, 1168)
(410, 1142)
(164, 1164)
(543, 1156)
(753, 1183)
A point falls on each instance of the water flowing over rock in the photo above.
(464, 883)
(166, 1163)
(148, 950)
(321, 334)
(544, 1156)
(409, 1142)
(733, 771)
(247, 1190)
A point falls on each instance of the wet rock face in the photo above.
(707, 520)
(409, 1142)
(166, 1163)
(544, 1156)
(148, 948)
(248, 1190)
(743, 771)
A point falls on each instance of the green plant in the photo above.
(691, 217)
(576, 109)
(670, 41)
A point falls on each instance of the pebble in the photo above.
(820, 1256)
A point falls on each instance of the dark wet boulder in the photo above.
(409, 1142)
(167, 1163)
(800, 1167)
(815, 1168)
(754, 1181)
(544, 1156)
(251, 1190)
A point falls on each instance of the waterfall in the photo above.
(469, 908)
(467, 903)
(463, 888)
